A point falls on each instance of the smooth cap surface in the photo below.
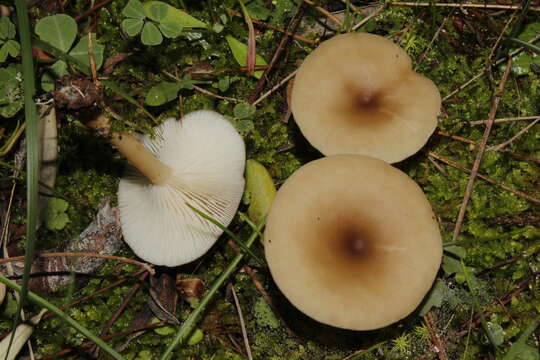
(352, 242)
(358, 94)
(207, 157)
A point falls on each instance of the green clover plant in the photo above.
(55, 216)
(60, 31)
(11, 92)
(8, 46)
(156, 19)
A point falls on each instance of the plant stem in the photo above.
(52, 308)
(32, 172)
(189, 323)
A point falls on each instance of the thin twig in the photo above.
(485, 178)
(481, 149)
(325, 12)
(440, 349)
(502, 120)
(203, 91)
(291, 28)
(216, 96)
(500, 146)
(253, 275)
(379, 10)
(499, 38)
(480, 74)
(455, 336)
(121, 308)
(108, 337)
(272, 90)
(462, 5)
(148, 267)
(473, 143)
(435, 36)
(268, 26)
(242, 324)
(90, 11)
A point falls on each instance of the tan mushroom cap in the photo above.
(358, 94)
(352, 242)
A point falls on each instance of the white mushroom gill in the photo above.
(207, 158)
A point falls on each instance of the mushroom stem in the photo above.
(137, 155)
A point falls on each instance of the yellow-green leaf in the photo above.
(260, 190)
(240, 51)
(173, 15)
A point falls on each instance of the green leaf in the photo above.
(240, 52)
(217, 28)
(521, 63)
(257, 10)
(196, 337)
(59, 68)
(3, 53)
(132, 26)
(162, 93)
(170, 30)
(47, 82)
(165, 330)
(80, 51)
(260, 190)
(11, 93)
(55, 216)
(13, 48)
(134, 9)
(520, 350)
(58, 30)
(456, 250)
(55, 71)
(451, 265)
(174, 15)
(497, 333)
(530, 31)
(158, 11)
(242, 111)
(7, 28)
(150, 35)
(434, 297)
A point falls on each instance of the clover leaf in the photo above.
(11, 92)
(9, 47)
(155, 20)
(55, 216)
(61, 31)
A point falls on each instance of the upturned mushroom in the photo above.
(197, 161)
(358, 94)
(352, 242)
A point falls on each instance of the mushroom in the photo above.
(197, 161)
(358, 94)
(352, 242)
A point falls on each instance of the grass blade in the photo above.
(189, 323)
(228, 232)
(74, 324)
(526, 45)
(32, 169)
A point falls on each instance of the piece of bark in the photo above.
(102, 236)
